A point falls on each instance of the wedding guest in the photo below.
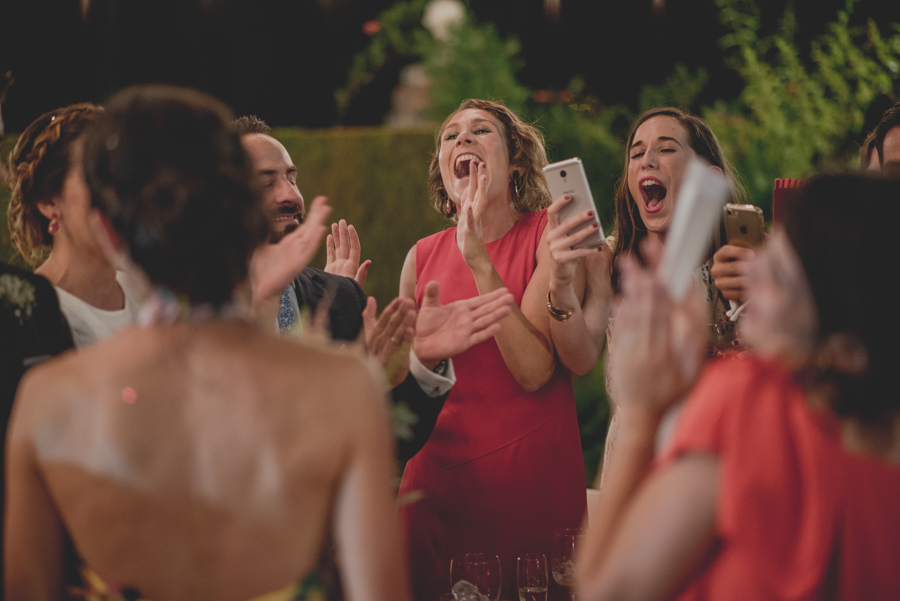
(660, 145)
(503, 468)
(195, 457)
(339, 287)
(784, 473)
(50, 210)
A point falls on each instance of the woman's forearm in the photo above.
(576, 344)
(528, 353)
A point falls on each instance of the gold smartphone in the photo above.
(744, 224)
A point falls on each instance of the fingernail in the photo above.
(590, 213)
(596, 225)
(568, 197)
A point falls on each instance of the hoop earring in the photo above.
(54, 224)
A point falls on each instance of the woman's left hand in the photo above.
(471, 210)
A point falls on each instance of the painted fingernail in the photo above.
(596, 225)
(568, 197)
(590, 213)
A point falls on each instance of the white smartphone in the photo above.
(568, 177)
(698, 211)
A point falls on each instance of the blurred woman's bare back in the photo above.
(202, 461)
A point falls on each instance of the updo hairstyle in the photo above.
(163, 164)
(37, 170)
(842, 228)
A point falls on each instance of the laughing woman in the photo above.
(504, 466)
(661, 144)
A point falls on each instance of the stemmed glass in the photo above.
(562, 554)
(531, 577)
(479, 570)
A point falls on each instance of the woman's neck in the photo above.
(658, 236)
(499, 217)
(91, 278)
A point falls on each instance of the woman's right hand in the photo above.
(472, 204)
(561, 240)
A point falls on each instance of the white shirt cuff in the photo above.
(433, 384)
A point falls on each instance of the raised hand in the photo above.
(274, 266)
(443, 331)
(561, 238)
(472, 204)
(343, 253)
(389, 335)
(654, 336)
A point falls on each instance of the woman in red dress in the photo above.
(503, 468)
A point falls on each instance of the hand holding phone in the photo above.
(568, 177)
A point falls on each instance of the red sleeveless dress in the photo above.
(503, 468)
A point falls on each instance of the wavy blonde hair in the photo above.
(37, 170)
(527, 155)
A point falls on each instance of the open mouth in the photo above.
(654, 193)
(289, 215)
(463, 161)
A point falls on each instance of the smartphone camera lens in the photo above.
(562, 173)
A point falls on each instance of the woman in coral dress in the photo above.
(503, 468)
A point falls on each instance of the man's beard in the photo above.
(275, 236)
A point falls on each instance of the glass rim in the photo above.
(476, 557)
(531, 556)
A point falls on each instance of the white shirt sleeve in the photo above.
(433, 384)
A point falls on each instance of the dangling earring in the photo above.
(515, 183)
(448, 209)
(54, 224)
(451, 208)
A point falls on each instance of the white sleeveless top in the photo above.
(90, 324)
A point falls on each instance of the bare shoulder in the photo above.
(408, 275)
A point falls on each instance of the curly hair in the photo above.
(37, 170)
(630, 228)
(527, 154)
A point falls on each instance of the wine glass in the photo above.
(531, 577)
(562, 554)
(476, 570)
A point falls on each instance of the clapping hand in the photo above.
(343, 253)
(659, 345)
(389, 335)
(444, 331)
(472, 204)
